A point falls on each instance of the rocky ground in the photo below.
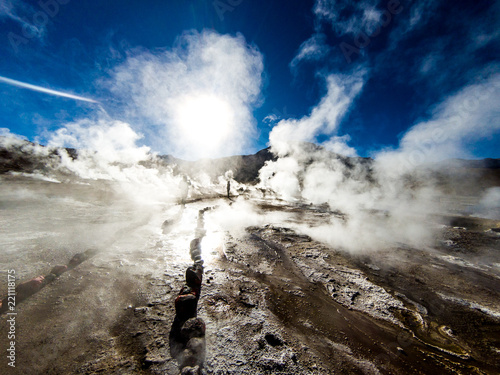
(274, 300)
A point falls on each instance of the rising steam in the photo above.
(388, 201)
(198, 96)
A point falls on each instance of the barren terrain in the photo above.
(274, 300)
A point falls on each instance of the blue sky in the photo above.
(403, 68)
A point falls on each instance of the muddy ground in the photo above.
(274, 300)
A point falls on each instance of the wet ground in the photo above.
(273, 299)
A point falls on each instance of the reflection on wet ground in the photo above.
(274, 299)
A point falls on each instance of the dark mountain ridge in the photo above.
(245, 168)
(28, 157)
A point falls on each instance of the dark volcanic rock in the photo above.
(22, 156)
(194, 276)
(194, 327)
(245, 167)
(30, 287)
(76, 260)
(58, 270)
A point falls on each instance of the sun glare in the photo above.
(204, 122)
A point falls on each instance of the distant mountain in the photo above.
(480, 163)
(245, 168)
(457, 175)
(24, 156)
(28, 157)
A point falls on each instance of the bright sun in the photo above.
(204, 122)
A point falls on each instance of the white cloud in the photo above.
(108, 150)
(429, 63)
(162, 89)
(467, 35)
(466, 117)
(349, 17)
(339, 145)
(6, 8)
(5, 132)
(313, 48)
(376, 210)
(281, 177)
(379, 209)
(414, 16)
(271, 119)
(484, 31)
(20, 12)
(323, 119)
(489, 204)
(112, 141)
(382, 204)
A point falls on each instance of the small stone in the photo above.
(76, 260)
(188, 370)
(401, 350)
(49, 278)
(186, 306)
(59, 270)
(194, 327)
(194, 275)
(30, 287)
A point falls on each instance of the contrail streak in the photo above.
(44, 90)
